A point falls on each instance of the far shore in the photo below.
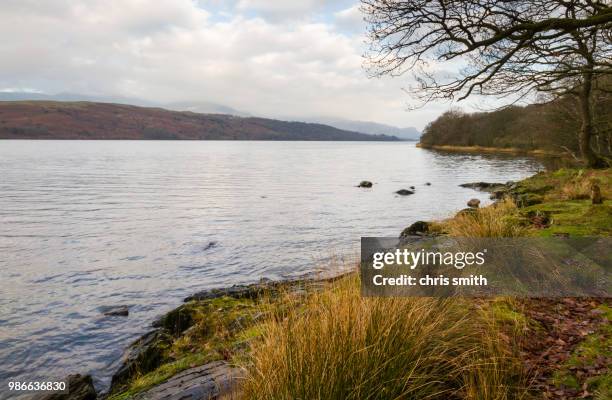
(481, 149)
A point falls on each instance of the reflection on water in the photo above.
(85, 225)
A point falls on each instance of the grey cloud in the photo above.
(176, 50)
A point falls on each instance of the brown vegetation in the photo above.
(85, 120)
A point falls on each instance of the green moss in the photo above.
(575, 217)
(204, 331)
(602, 386)
(595, 346)
(165, 372)
(507, 313)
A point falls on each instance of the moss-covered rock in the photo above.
(144, 355)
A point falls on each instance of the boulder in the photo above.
(528, 199)
(473, 203)
(209, 381)
(112, 311)
(427, 184)
(365, 184)
(484, 186)
(80, 387)
(412, 187)
(177, 320)
(144, 355)
(418, 228)
(404, 192)
(466, 211)
(498, 194)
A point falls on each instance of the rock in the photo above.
(498, 194)
(404, 192)
(473, 203)
(80, 387)
(528, 199)
(236, 292)
(209, 381)
(418, 228)
(484, 186)
(412, 187)
(596, 194)
(177, 320)
(466, 211)
(365, 184)
(144, 355)
(427, 184)
(112, 311)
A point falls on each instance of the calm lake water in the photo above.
(88, 224)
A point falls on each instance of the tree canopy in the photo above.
(506, 48)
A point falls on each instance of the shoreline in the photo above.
(231, 318)
(144, 355)
(494, 150)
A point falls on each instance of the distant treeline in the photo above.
(551, 127)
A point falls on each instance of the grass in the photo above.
(500, 220)
(483, 149)
(566, 201)
(332, 343)
(340, 345)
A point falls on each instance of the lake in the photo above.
(88, 224)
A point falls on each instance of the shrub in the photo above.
(499, 220)
(340, 345)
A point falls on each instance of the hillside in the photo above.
(89, 120)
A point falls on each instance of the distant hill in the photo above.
(89, 120)
(371, 128)
(204, 107)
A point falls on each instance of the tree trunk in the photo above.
(586, 131)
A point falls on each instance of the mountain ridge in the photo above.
(43, 119)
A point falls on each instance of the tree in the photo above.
(505, 48)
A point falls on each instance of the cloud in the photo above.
(275, 9)
(350, 20)
(182, 50)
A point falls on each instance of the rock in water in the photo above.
(484, 186)
(80, 387)
(473, 203)
(111, 311)
(365, 184)
(427, 183)
(596, 194)
(404, 192)
(412, 187)
(419, 228)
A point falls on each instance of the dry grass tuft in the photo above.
(498, 220)
(339, 345)
(578, 188)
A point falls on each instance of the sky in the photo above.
(270, 58)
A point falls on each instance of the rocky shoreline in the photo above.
(207, 380)
(232, 309)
